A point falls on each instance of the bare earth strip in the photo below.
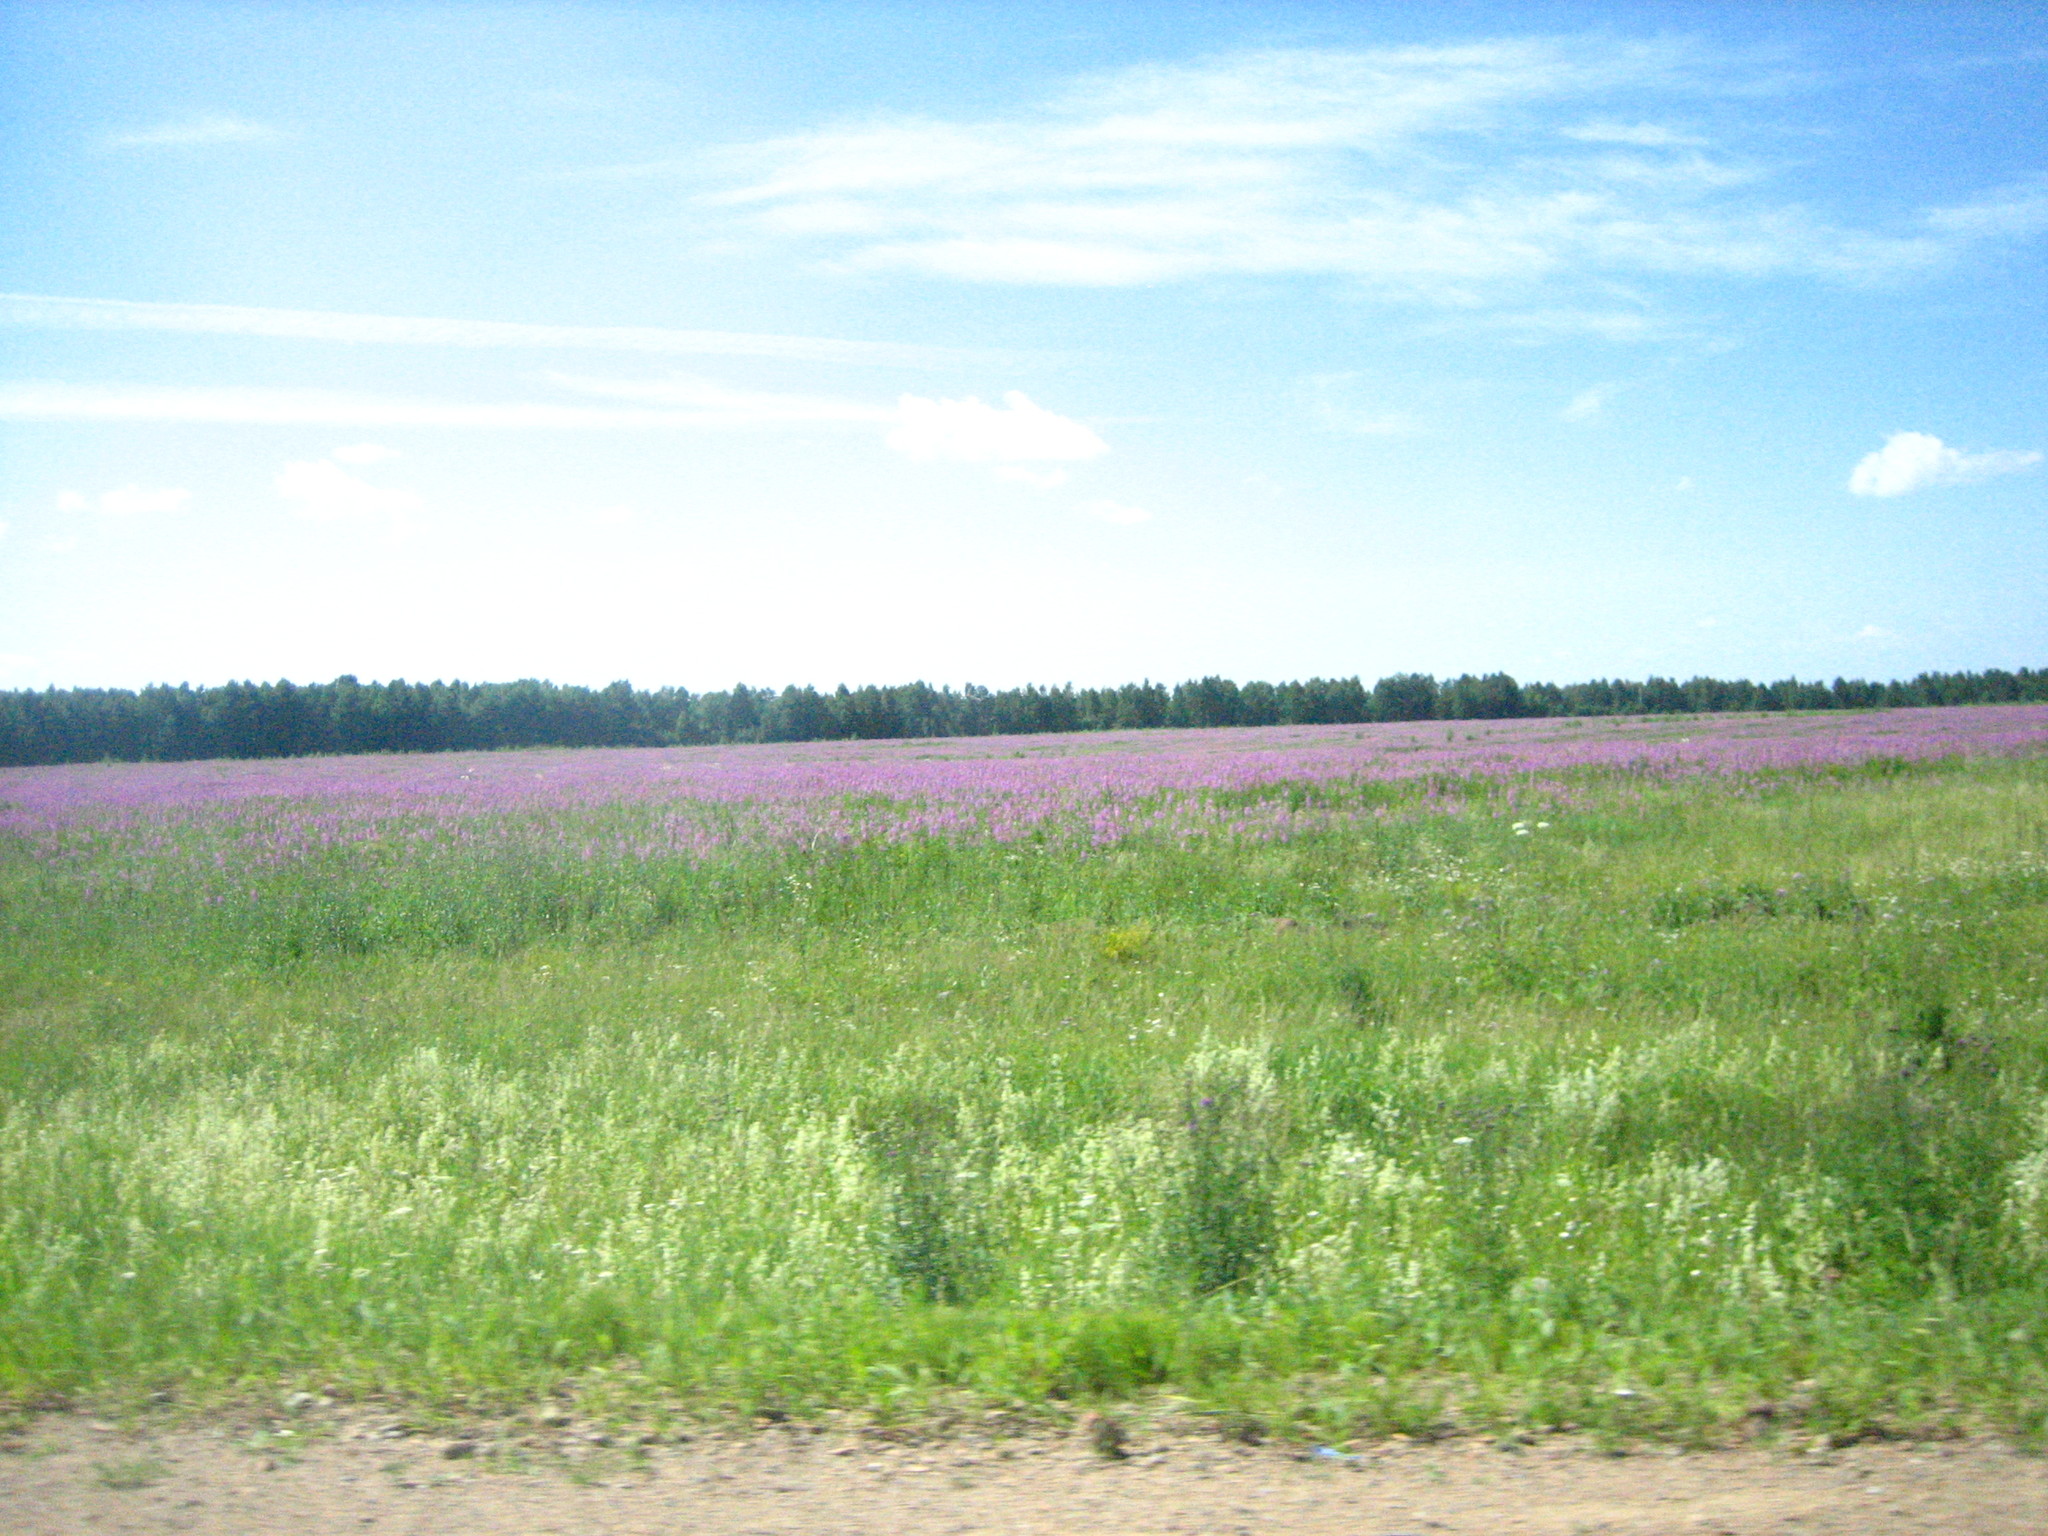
(69, 1475)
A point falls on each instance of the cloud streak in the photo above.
(972, 432)
(1588, 404)
(713, 403)
(1333, 404)
(1383, 167)
(324, 408)
(406, 331)
(965, 431)
(127, 501)
(1121, 513)
(1913, 461)
(323, 492)
(363, 453)
(216, 128)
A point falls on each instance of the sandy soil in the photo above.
(336, 1471)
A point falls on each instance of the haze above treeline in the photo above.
(283, 719)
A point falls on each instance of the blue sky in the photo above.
(1000, 344)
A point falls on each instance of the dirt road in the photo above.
(65, 1474)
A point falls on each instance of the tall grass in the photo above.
(1631, 1107)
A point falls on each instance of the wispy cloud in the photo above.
(712, 403)
(1535, 326)
(2016, 211)
(1333, 402)
(1018, 432)
(333, 408)
(1384, 167)
(127, 500)
(1588, 404)
(970, 431)
(322, 491)
(216, 128)
(1037, 479)
(1118, 512)
(320, 408)
(363, 453)
(1644, 135)
(396, 330)
(1912, 461)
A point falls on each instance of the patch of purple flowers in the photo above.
(1098, 787)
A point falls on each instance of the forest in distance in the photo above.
(163, 723)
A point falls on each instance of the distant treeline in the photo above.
(166, 724)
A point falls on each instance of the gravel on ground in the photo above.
(326, 1473)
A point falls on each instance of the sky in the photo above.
(1054, 343)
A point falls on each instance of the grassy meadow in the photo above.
(1679, 1105)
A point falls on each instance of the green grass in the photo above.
(1703, 1095)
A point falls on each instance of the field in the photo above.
(1680, 1078)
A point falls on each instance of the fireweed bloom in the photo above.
(636, 804)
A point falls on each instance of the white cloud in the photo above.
(1381, 166)
(126, 501)
(363, 453)
(36, 401)
(618, 514)
(219, 128)
(1531, 327)
(1333, 403)
(1644, 135)
(393, 330)
(973, 432)
(1912, 461)
(1116, 512)
(1873, 632)
(1019, 432)
(136, 500)
(713, 404)
(1391, 424)
(1038, 479)
(322, 490)
(2010, 212)
(1588, 404)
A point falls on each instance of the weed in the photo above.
(1126, 945)
(1225, 1216)
(935, 1241)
